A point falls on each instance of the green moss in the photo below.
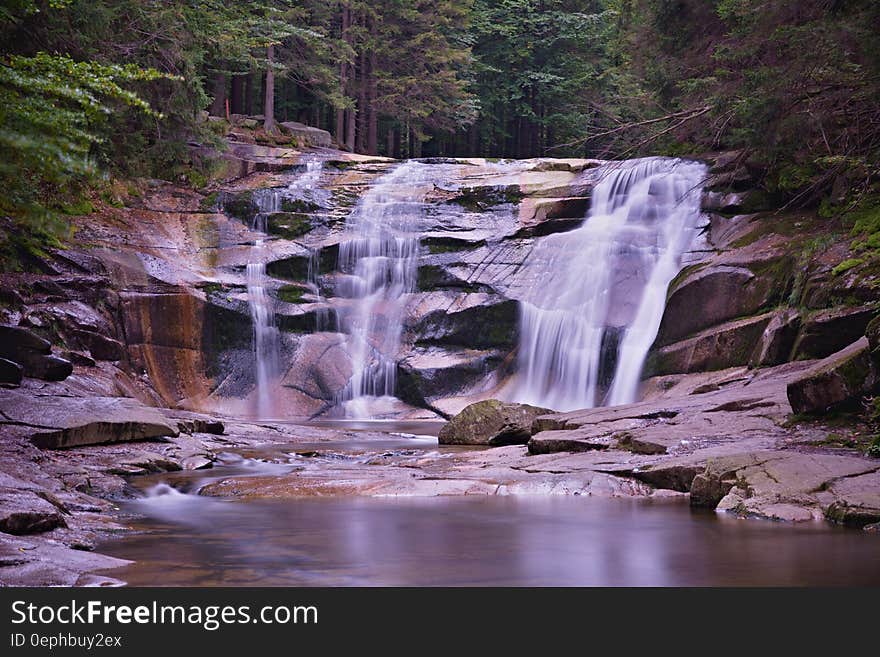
(241, 206)
(77, 208)
(291, 294)
(448, 245)
(288, 225)
(298, 205)
(212, 288)
(209, 202)
(342, 165)
(478, 199)
(873, 448)
(111, 198)
(846, 265)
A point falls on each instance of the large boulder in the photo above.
(543, 216)
(491, 422)
(307, 135)
(26, 512)
(839, 378)
(17, 340)
(100, 346)
(321, 366)
(712, 295)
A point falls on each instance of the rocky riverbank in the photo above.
(131, 353)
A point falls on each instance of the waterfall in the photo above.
(266, 336)
(596, 294)
(378, 259)
(267, 339)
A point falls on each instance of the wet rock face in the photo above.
(472, 320)
(431, 373)
(493, 423)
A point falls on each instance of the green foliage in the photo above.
(54, 112)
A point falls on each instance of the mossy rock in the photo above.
(490, 325)
(491, 422)
(240, 205)
(291, 293)
(296, 268)
(298, 205)
(209, 202)
(479, 199)
(438, 245)
(288, 225)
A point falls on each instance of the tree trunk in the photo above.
(372, 92)
(249, 93)
(218, 106)
(343, 75)
(362, 97)
(389, 143)
(269, 103)
(236, 99)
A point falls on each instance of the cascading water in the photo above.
(378, 260)
(597, 294)
(267, 339)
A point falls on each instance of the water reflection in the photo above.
(526, 541)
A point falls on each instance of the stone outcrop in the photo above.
(491, 422)
(840, 378)
(101, 347)
(471, 320)
(720, 292)
(431, 373)
(32, 354)
(307, 135)
(727, 345)
(778, 340)
(791, 486)
(10, 372)
(57, 422)
(828, 331)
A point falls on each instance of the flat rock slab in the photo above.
(61, 422)
(792, 486)
(25, 562)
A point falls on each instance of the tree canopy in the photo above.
(124, 86)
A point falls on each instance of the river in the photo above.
(186, 539)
